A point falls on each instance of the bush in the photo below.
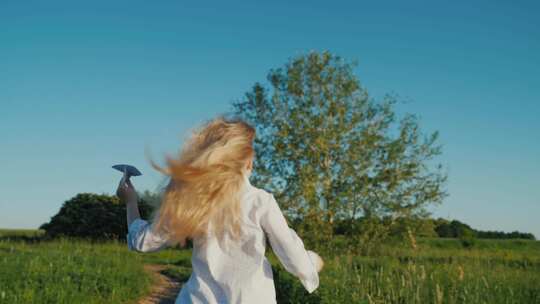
(468, 239)
(453, 229)
(92, 216)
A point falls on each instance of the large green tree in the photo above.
(327, 150)
(93, 216)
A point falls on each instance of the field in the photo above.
(437, 271)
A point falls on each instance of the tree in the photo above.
(457, 229)
(94, 216)
(153, 199)
(328, 151)
(453, 229)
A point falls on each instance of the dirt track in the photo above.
(164, 290)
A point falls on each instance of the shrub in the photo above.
(92, 216)
(468, 239)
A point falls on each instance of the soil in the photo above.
(164, 290)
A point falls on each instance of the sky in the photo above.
(86, 85)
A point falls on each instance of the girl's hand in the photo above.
(316, 259)
(126, 192)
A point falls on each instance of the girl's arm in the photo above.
(127, 194)
(289, 248)
(141, 236)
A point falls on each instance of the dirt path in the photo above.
(164, 290)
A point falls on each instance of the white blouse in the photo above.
(238, 271)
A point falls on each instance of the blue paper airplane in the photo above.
(128, 170)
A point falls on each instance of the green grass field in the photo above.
(69, 272)
(438, 271)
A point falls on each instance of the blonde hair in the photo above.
(205, 182)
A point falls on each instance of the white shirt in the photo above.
(240, 272)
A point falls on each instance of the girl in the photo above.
(210, 200)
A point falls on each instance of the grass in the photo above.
(424, 279)
(67, 271)
(438, 271)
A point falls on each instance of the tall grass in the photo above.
(68, 271)
(426, 275)
(436, 271)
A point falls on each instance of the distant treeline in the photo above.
(457, 229)
(425, 227)
(99, 216)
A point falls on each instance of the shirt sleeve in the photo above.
(141, 237)
(288, 247)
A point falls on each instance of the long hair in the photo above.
(205, 182)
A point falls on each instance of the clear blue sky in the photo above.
(90, 84)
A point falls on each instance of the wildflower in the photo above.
(439, 293)
(461, 273)
(412, 239)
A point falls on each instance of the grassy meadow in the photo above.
(436, 271)
(67, 271)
